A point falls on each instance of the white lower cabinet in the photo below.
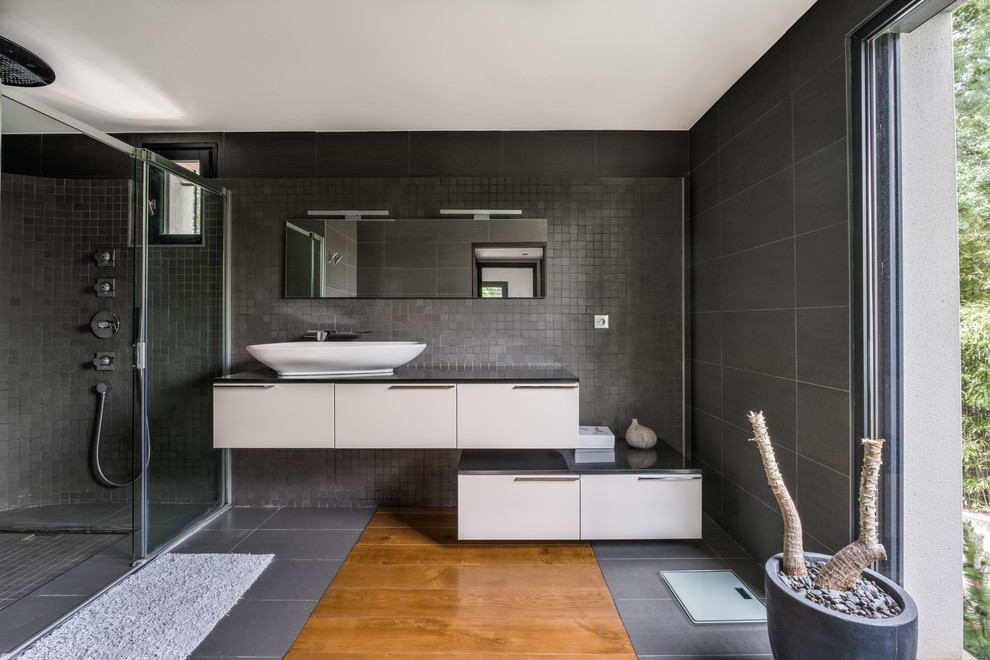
(394, 416)
(588, 506)
(281, 415)
(517, 415)
(518, 507)
(640, 506)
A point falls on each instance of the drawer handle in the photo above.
(421, 387)
(672, 477)
(544, 387)
(547, 479)
(264, 386)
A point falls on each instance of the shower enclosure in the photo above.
(113, 325)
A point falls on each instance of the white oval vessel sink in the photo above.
(315, 358)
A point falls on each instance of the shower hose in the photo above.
(102, 390)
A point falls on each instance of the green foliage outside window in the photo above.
(971, 43)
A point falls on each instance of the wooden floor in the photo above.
(409, 589)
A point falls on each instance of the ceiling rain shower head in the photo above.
(19, 67)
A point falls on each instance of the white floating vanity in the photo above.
(515, 408)
(519, 477)
(546, 495)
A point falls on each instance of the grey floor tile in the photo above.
(121, 549)
(313, 518)
(688, 549)
(294, 579)
(213, 540)
(242, 518)
(299, 543)
(639, 578)
(723, 545)
(749, 571)
(257, 628)
(81, 513)
(87, 578)
(236, 657)
(30, 615)
(708, 656)
(660, 627)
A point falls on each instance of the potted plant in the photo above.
(826, 608)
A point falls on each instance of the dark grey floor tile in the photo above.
(313, 518)
(213, 540)
(660, 627)
(237, 657)
(708, 656)
(87, 578)
(749, 571)
(639, 578)
(294, 579)
(257, 628)
(30, 615)
(120, 549)
(693, 549)
(301, 544)
(242, 518)
(722, 544)
(72, 515)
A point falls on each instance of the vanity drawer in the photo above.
(283, 415)
(520, 507)
(392, 416)
(517, 416)
(640, 506)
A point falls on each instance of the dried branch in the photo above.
(845, 566)
(793, 543)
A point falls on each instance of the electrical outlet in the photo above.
(601, 321)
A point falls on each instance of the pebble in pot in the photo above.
(640, 437)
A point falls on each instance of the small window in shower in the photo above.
(175, 206)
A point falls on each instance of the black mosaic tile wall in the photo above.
(614, 247)
(770, 262)
(185, 353)
(49, 231)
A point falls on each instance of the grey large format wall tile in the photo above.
(782, 289)
(614, 247)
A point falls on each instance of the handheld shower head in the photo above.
(102, 388)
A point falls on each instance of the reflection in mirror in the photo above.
(509, 270)
(415, 258)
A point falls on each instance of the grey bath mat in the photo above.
(715, 597)
(161, 612)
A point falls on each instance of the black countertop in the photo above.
(515, 374)
(661, 459)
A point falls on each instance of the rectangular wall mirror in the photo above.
(444, 257)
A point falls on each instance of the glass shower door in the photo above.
(184, 349)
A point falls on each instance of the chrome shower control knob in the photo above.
(105, 288)
(104, 257)
(105, 324)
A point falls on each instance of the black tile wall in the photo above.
(51, 227)
(268, 154)
(780, 299)
(50, 230)
(614, 246)
(455, 153)
(549, 153)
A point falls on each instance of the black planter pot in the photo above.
(800, 629)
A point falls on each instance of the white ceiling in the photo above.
(290, 65)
